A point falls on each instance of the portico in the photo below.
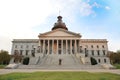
(59, 46)
(59, 40)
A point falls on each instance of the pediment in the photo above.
(60, 32)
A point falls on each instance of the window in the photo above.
(99, 60)
(27, 46)
(21, 46)
(80, 49)
(104, 60)
(86, 52)
(103, 46)
(91, 46)
(21, 52)
(103, 52)
(93, 52)
(32, 51)
(97, 46)
(32, 46)
(15, 46)
(16, 52)
(80, 46)
(98, 52)
(27, 52)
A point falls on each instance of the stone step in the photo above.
(12, 66)
(33, 60)
(60, 67)
(69, 61)
(66, 60)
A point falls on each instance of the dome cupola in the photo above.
(59, 24)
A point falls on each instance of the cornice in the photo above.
(25, 40)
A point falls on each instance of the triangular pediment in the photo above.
(60, 32)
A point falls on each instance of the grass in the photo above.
(2, 66)
(117, 66)
(60, 76)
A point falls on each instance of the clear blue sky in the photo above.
(94, 19)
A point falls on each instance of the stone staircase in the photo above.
(11, 61)
(34, 60)
(84, 66)
(12, 66)
(51, 61)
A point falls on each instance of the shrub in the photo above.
(26, 60)
(93, 61)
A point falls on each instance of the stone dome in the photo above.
(59, 24)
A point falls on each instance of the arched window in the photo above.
(103, 46)
(104, 60)
(15, 46)
(92, 52)
(21, 52)
(91, 46)
(103, 52)
(99, 60)
(98, 52)
(21, 46)
(97, 46)
(27, 46)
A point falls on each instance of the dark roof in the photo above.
(59, 24)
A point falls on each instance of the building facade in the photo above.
(60, 43)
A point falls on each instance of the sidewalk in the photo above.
(6, 71)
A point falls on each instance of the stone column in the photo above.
(66, 47)
(48, 47)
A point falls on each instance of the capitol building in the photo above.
(60, 48)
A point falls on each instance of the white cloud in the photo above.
(95, 4)
(107, 8)
(86, 9)
(18, 18)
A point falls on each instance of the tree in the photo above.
(4, 57)
(115, 57)
(118, 51)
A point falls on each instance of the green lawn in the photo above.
(60, 76)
